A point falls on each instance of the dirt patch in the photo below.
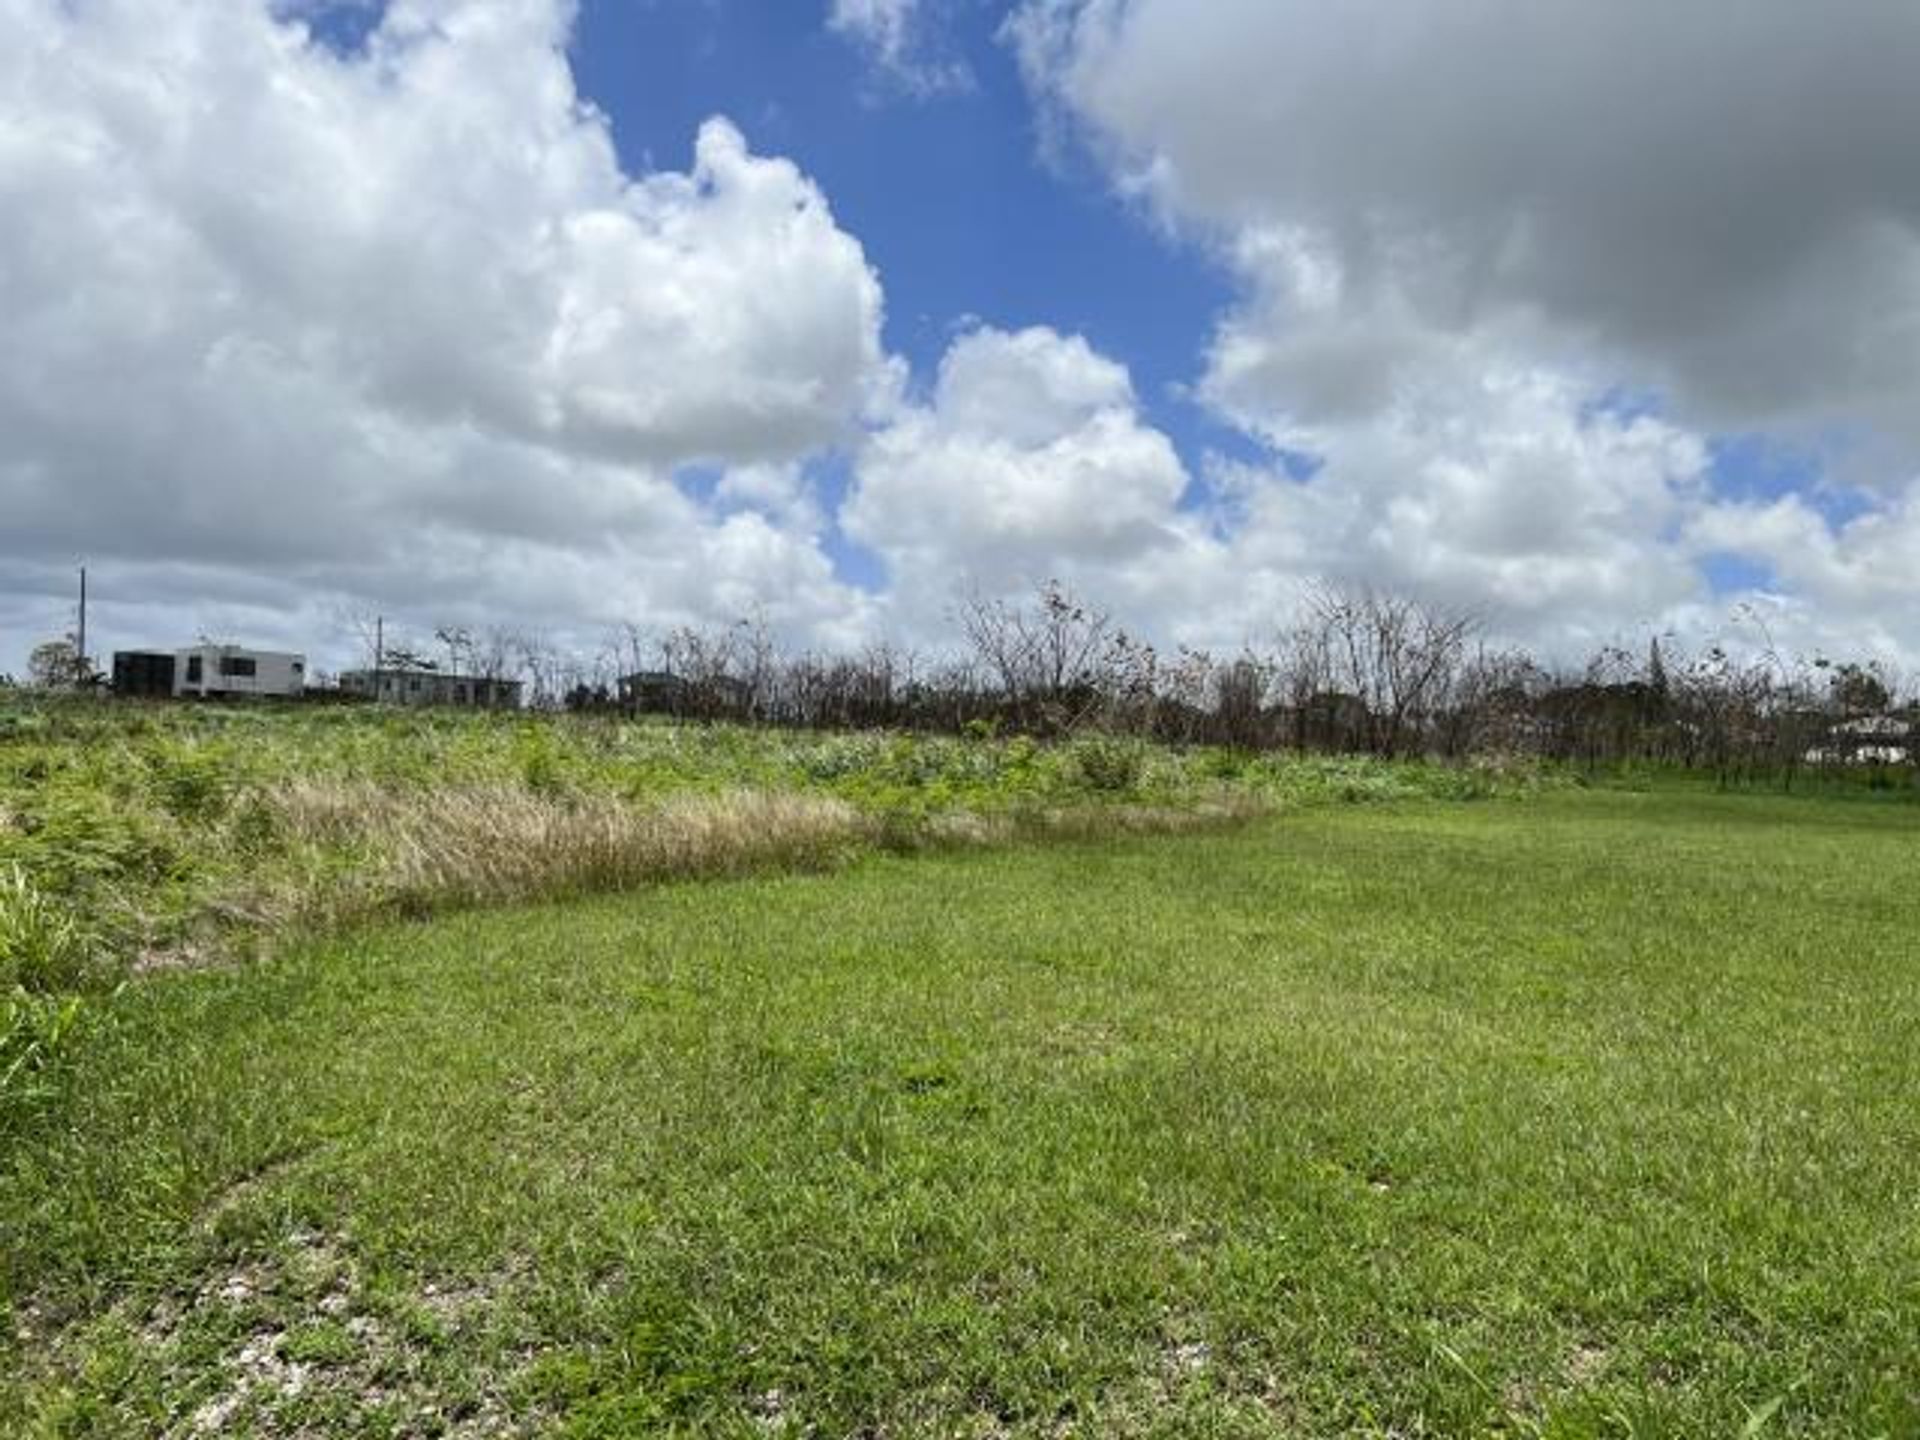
(168, 959)
(1585, 1362)
(299, 1334)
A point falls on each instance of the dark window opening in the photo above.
(242, 665)
(193, 669)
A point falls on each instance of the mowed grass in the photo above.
(1593, 1115)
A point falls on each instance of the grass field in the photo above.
(171, 830)
(137, 837)
(1590, 1115)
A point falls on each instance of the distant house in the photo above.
(226, 671)
(144, 674)
(433, 687)
(208, 672)
(660, 692)
(1868, 740)
(656, 692)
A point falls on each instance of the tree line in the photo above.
(1359, 670)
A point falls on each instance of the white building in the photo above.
(1869, 740)
(209, 671)
(433, 687)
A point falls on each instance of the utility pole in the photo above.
(379, 651)
(83, 667)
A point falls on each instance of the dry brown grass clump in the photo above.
(426, 850)
(350, 851)
(1093, 822)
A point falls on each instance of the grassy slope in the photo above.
(188, 829)
(141, 837)
(1590, 1116)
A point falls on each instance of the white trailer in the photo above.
(213, 671)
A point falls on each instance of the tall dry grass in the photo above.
(351, 851)
(425, 850)
(1086, 822)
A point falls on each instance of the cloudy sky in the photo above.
(1602, 318)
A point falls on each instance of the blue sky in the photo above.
(970, 217)
(965, 214)
(948, 193)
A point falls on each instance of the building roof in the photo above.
(1872, 725)
(449, 677)
(210, 648)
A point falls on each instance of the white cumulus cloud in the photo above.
(1029, 460)
(398, 324)
(1484, 251)
(896, 34)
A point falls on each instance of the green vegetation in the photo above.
(1590, 1116)
(159, 821)
(143, 837)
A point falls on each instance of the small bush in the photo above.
(837, 757)
(539, 762)
(255, 827)
(192, 784)
(43, 949)
(45, 957)
(1222, 763)
(1108, 766)
(39, 1035)
(75, 837)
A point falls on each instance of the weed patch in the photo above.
(192, 831)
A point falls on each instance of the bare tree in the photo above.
(1186, 697)
(367, 630)
(492, 653)
(1360, 670)
(458, 641)
(1383, 663)
(759, 661)
(1240, 702)
(540, 663)
(59, 665)
(1048, 658)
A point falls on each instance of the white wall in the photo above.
(275, 672)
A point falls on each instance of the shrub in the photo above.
(42, 947)
(45, 955)
(38, 1037)
(191, 783)
(1217, 763)
(73, 839)
(1108, 766)
(837, 757)
(255, 827)
(539, 762)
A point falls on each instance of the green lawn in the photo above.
(1595, 1114)
(162, 834)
